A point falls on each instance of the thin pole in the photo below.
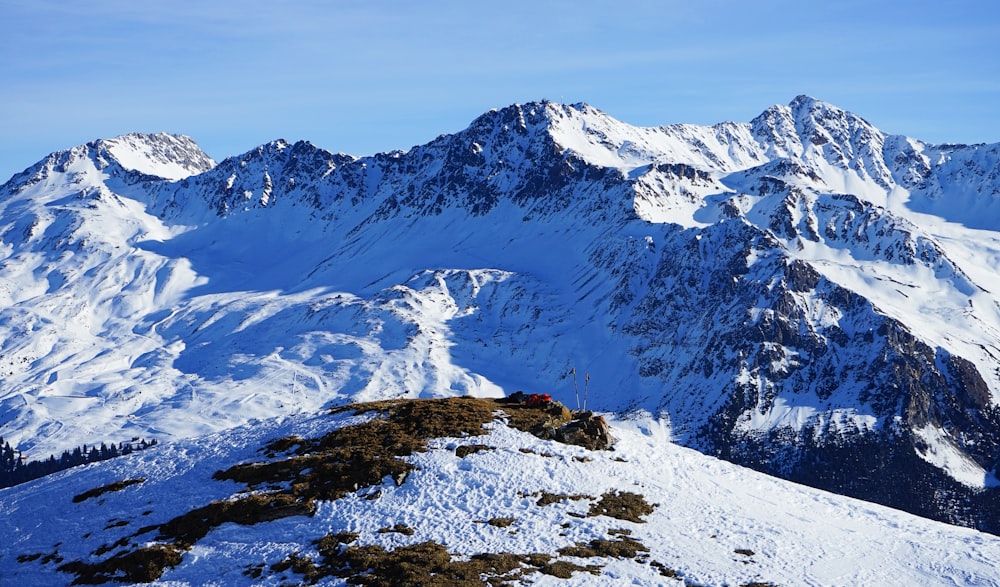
(576, 389)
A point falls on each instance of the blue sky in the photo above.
(364, 77)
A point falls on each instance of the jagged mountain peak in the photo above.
(129, 158)
(820, 121)
(828, 139)
(170, 156)
(585, 132)
(804, 107)
(279, 153)
(577, 127)
(525, 121)
(807, 103)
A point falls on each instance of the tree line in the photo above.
(15, 469)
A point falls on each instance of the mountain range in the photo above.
(802, 294)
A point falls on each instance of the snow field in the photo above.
(707, 512)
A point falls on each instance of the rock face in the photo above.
(588, 430)
(802, 293)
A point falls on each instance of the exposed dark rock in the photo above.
(588, 430)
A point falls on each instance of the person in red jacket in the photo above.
(538, 399)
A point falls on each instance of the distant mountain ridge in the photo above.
(802, 293)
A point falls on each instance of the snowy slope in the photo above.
(801, 293)
(712, 523)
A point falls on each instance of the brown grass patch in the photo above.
(27, 558)
(302, 565)
(300, 471)
(528, 451)
(622, 505)
(362, 455)
(99, 491)
(187, 529)
(545, 498)
(148, 564)
(350, 458)
(139, 566)
(283, 445)
(341, 462)
(623, 547)
(398, 529)
(541, 421)
(565, 569)
(468, 449)
(665, 570)
(254, 571)
(426, 563)
(121, 542)
(332, 542)
(116, 524)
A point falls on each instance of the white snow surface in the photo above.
(705, 511)
(171, 157)
(290, 278)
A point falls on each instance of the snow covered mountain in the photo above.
(802, 293)
(460, 494)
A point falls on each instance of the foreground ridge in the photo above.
(459, 491)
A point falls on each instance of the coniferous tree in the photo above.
(14, 468)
